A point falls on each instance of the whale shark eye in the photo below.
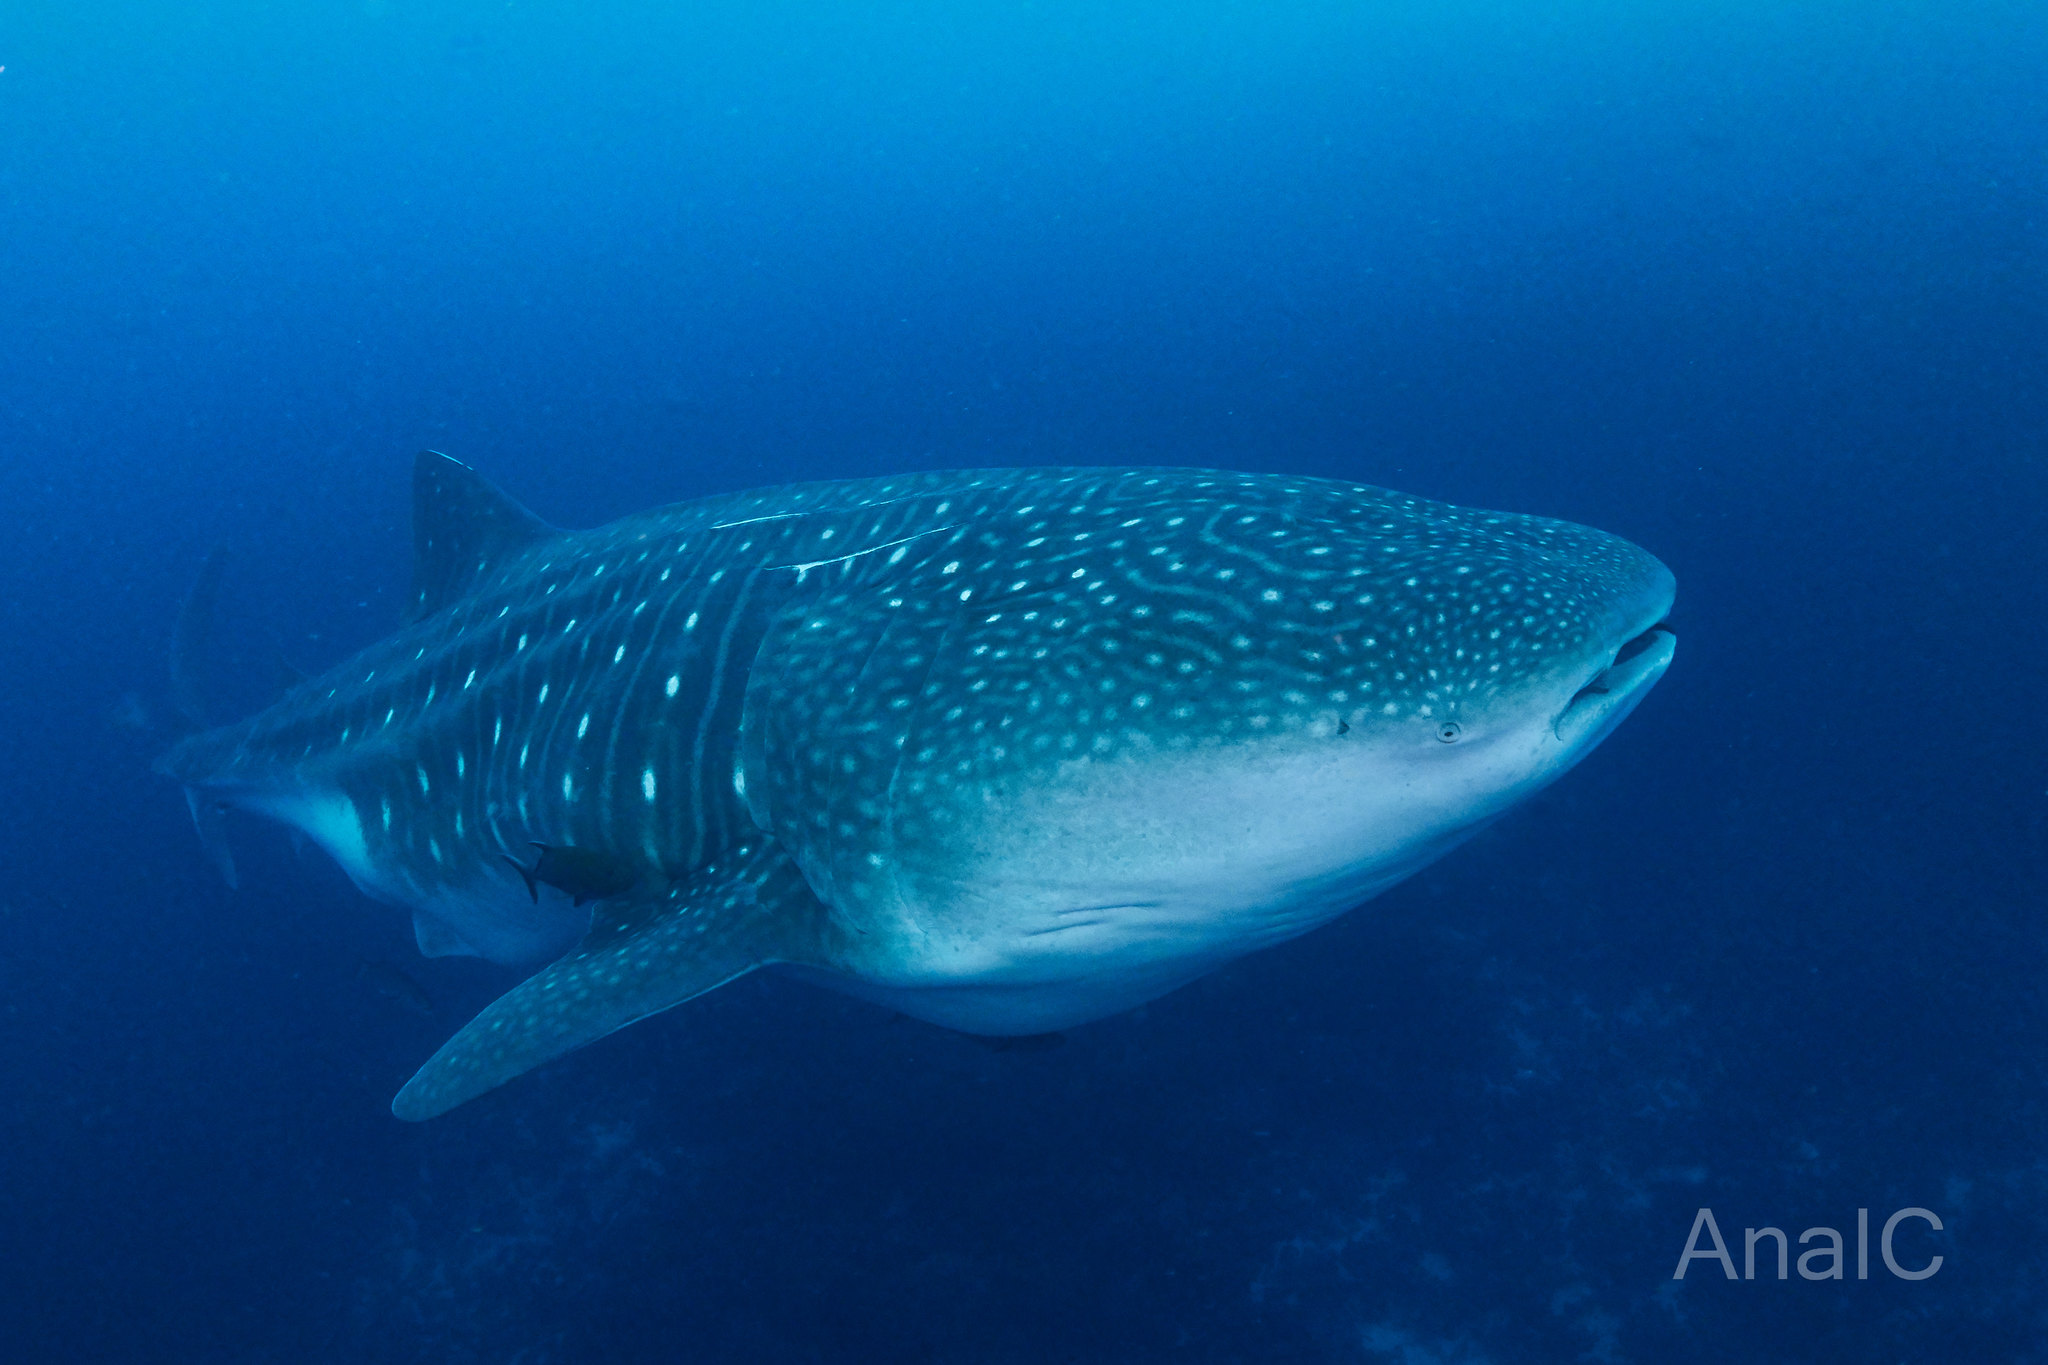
(1450, 732)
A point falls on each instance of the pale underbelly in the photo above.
(1055, 972)
(1016, 1008)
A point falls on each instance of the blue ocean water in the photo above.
(1761, 286)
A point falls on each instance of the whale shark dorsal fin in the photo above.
(191, 639)
(463, 527)
(645, 952)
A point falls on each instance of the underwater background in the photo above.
(1761, 286)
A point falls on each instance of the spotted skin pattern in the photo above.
(1090, 616)
(859, 700)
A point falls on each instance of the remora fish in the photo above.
(1004, 750)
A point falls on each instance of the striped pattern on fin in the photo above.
(644, 953)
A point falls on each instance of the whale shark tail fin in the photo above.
(192, 697)
(209, 819)
(191, 643)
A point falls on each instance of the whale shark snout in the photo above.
(1623, 673)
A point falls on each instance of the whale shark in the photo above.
(1005, 750)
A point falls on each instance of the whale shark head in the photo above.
(1184, 715)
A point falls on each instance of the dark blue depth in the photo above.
(1763, 288)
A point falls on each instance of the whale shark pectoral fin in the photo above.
(645, 952)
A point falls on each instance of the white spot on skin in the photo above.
(647, 784)
(674, 682)
(583, 726)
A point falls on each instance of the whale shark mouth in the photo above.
(1631, 649)
(1612, 692)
